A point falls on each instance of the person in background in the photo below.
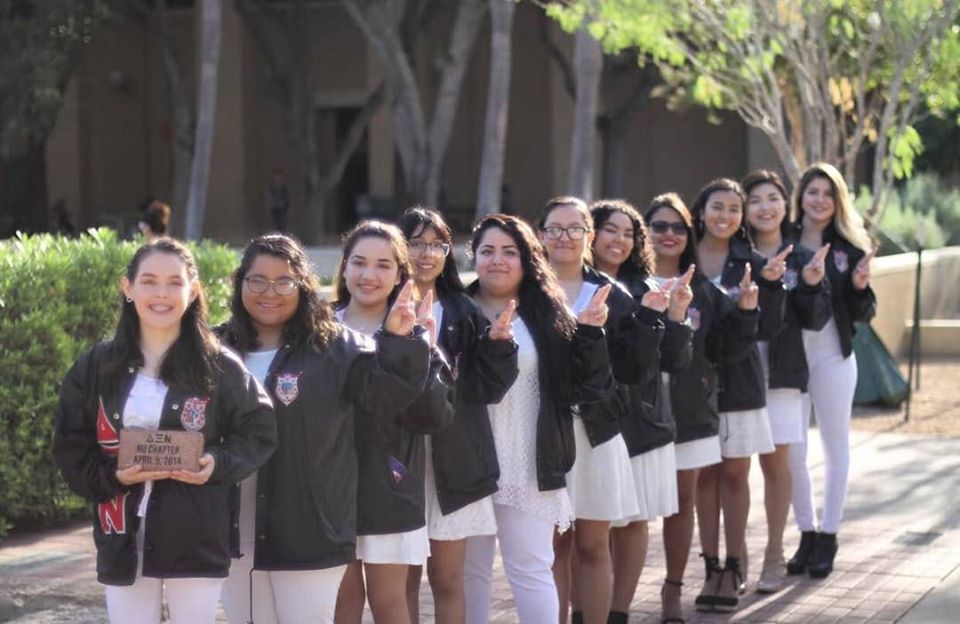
(278, 200)
(154, 219)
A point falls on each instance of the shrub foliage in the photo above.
(59, 296)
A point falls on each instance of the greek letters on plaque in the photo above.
(160, 450)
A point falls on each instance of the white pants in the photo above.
(279, 597)
(833, 381)
(191, 600)
(526, 547)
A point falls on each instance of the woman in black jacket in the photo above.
(562, 362)
(622, 249)
(374, 274)
(728, 260)
(164, 370)
(722, 331)
(824, 214)
(601, 483)
(782, 355)
(461, 467)
(297, 525)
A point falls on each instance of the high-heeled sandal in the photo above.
(668, 616)
(711, 583)
(731, 571)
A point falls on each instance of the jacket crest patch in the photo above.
(397, 470)
(841, 261)
(194, 417)
(286, 388)
(790, 279)
(107, 436)
(694, 315)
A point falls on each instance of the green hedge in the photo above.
(58, 296)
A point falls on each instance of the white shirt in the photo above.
(142, 410)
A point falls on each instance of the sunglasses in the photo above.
(661, 227)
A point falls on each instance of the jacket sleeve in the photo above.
(772, 306)
(633, 337)
(735, 334)
(861, 303)
(249, 432)
(492, 369)
(432, 410)
(88, 471)
(676, 349)
(812, 304)
(590, 374)
(389, 379)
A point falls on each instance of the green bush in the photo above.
(924, 199)
(59, 296)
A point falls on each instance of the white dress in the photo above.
(601, 481)
(514, 424)
(744, 432)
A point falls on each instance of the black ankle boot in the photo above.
(820, 564)
(617, 617)
(798, 563)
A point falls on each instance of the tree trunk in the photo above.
(182, 120)
(498, 107)
(470, 15)
(588, 65)
(210, 20)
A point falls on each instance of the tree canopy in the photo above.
(823, 79)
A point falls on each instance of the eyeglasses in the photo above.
(554, 232)
(419, 247)
(283, 286)
(660, 227)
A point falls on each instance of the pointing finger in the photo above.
(686, 277)
(406, 293)
(821, 254)
(426, 305)
(507, 315)
(600, 297)
(745, 282)
(780, 257)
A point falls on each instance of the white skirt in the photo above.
(411, 548)
(477, 518)
(601, 480)
(698, 453)
(745, 433)
(786, 415)
(655, 479)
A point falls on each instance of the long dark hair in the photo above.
(540, 298)
(764, 176)
(674, 203)
(642, 259)
(376, 229)
(700, 204)
(313, 319)
(191, 360)
(413, 222)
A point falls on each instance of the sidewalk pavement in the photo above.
(899, 558)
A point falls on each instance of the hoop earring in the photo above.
(129, 299)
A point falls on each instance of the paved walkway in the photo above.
(899, 556)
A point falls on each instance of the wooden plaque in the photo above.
(157, 449)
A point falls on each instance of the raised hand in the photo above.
(403, 315)
(814, 270)
(680, 296)
(749, 292)
(196, 478)
(861, 274)
(501, 329)
(426, 319)
(595, 314)
(776, 266)
(658, 297)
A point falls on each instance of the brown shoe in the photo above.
(771, 576)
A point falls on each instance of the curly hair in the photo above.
(540, 296)
(376, 229)
(642, 259)
(313, 320)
